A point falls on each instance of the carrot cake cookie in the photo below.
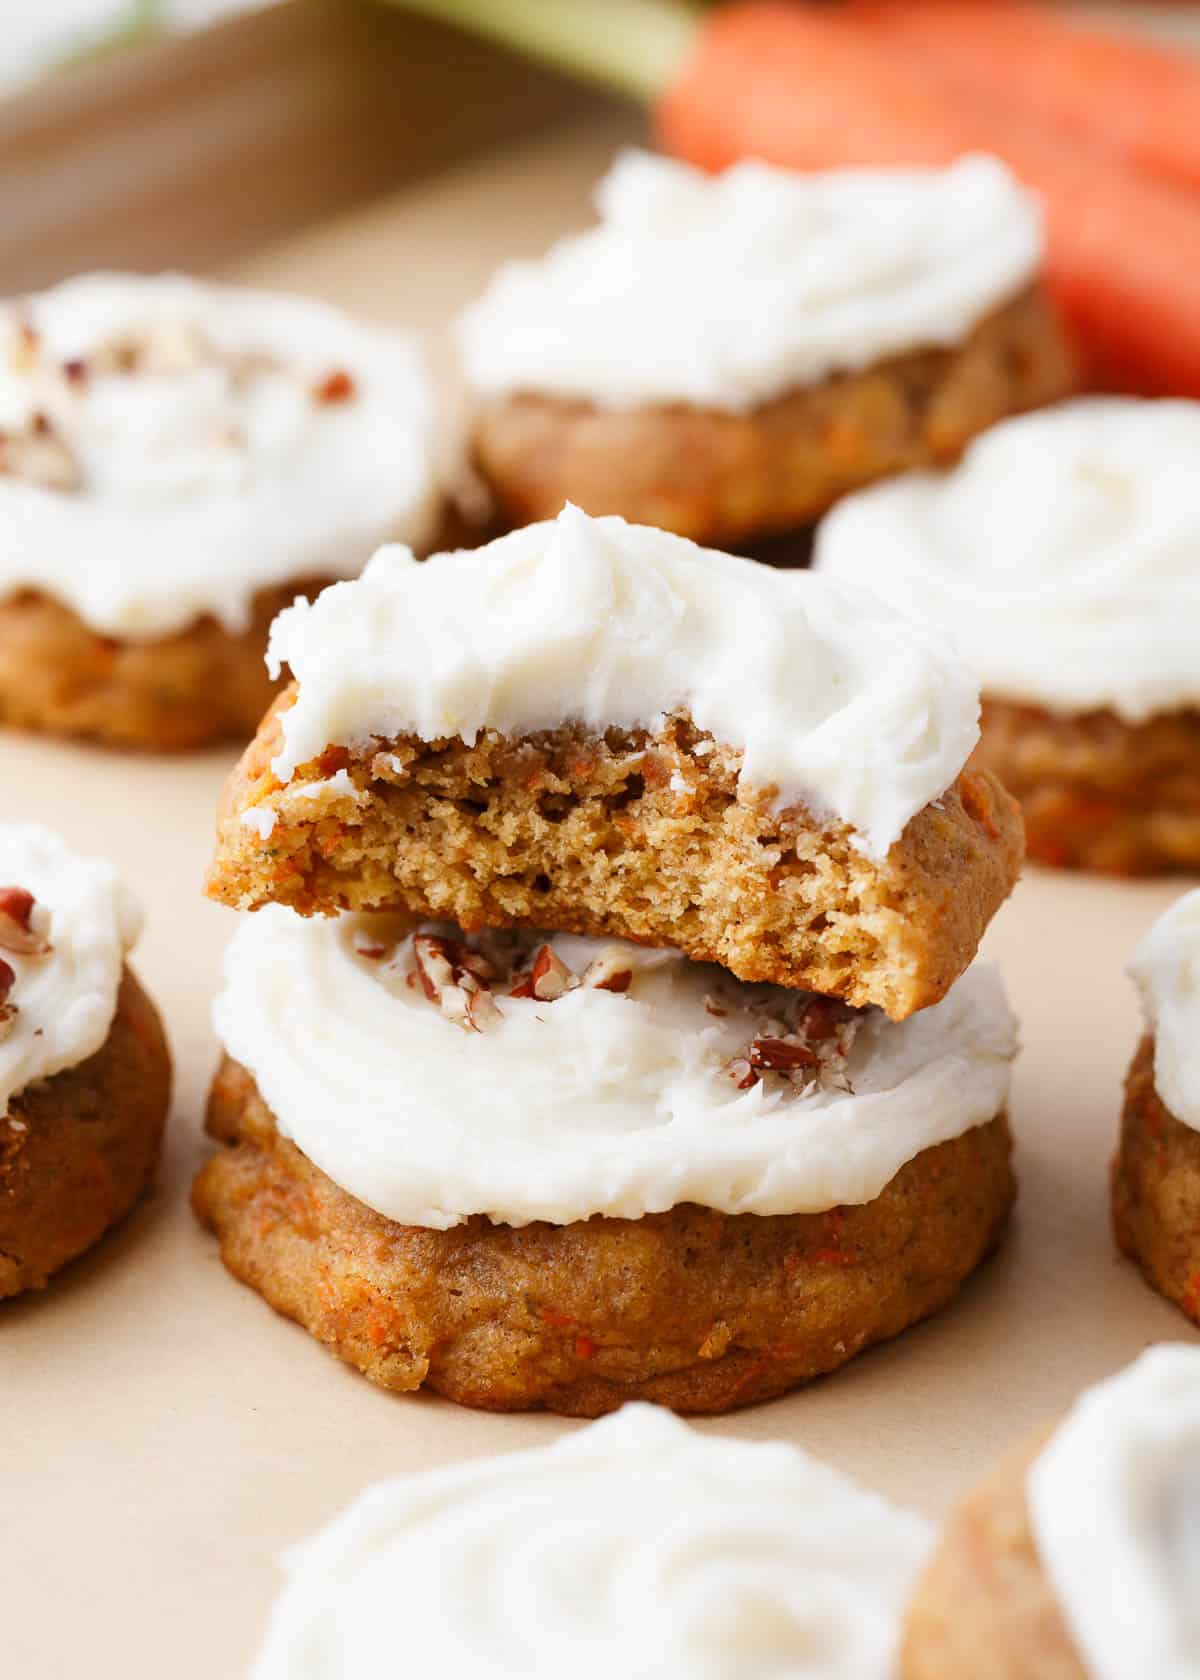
(725, 356)
(633, 1547)
(565, 1172)
(604, 729)
(177, 461)
(1063, 555)
(1156, 1176)
(1079, 1558)
(85, 1075)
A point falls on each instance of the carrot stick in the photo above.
(811, 88)
(1121, 96)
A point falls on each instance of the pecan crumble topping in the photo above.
(797, 1038)
(38, 453)
(21, 933)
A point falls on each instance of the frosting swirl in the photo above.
(168, 448)
(1166, 971)
(835, 701)
(621, 1102)
(1062, 554)
(634, 1546)
(1114, 1501)
(65, 997)
(725, 291)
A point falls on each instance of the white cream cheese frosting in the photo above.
(836, 702)
(169, 447)
(1062, 554)
(1114, 1501)
(725, 291)
(634, 1547)
(60, 1002)
(1166, 971)
(614, 1102)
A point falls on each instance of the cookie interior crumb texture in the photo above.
(646, 837)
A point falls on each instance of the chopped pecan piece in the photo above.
(432, 957)
(742, 1072)
(608, 973)
(336, 387)
(548, 977)
(17, 932)
(780, 1055)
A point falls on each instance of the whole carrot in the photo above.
(811, 87)
(1116, 94)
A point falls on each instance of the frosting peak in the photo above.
(1114, 1501)
(633, 1546)
(1166, 971)
(725, 291)
(1062, 554)
(836, 702)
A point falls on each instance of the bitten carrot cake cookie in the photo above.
(602, 728)
(1079, 1558)
(567, 1172)
(85, 1075)
(1156, 1176)
(177, 461)
(1064, 557)
(726, 355)
(633, 1547)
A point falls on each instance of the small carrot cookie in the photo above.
(1077, 1559)
(1156, 1176)
(634, 1547)
(568, 1172)
(602, 728)
(726, 356)
(177, 462)
(85, 1074)
(1062, 556)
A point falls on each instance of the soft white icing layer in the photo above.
(725, 291)
(201, 481)
(1063, 555)
(836, 702)
(599, 1102)
(65, 1000)
(633, 1547)
(1166, 971)
(1114, 1501)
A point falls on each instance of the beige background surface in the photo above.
(163, 1435)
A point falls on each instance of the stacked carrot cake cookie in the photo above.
(85, 1074)
(1079, 1557)
(177, 461)
(627, 1042)
(1063, 555)
(726, 355)
(1156, 1176)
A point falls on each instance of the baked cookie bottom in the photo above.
(1097, 792)
(984, 1608)
(724, 478)
(78, 1149)
(626, 835)
(1156, 1189)
(205, 683)
(691, 1309)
